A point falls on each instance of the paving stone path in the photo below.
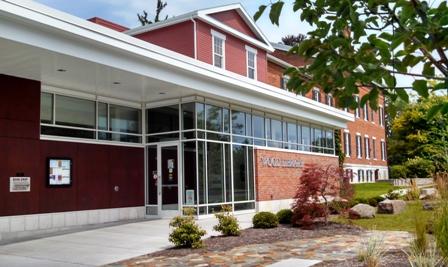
(337, 247)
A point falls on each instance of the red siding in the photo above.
(178, 38)
(108, 24)
(97, 169)
(235, 52)
(232, 19)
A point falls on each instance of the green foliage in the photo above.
(392, 195)
(350, 45)
(186, 233)
(284, 216)
(413, 191)
(372, 251)
(265, 219)
(441, 228)
(372, 189)
(417, 142)
(227, 223)
(420, 242)
(398, 171)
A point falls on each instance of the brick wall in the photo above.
(275, 183)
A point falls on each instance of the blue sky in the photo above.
(124, 12)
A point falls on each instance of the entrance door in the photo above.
(169, 182)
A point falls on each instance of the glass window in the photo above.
(200, 115)
(215, 171)
(213, 118)
(202, 172)
(189, 169)
(357, 112)
(251, 64)
(218, 52)
(292, 135)
(258, 129)
(46, 108)
(317, 139)
(163, 119)
(306, 137)
(75, 112)
(276, 132)
(374, 148)
(238, 122)
(103, 111)
(226, 119)
(329, 138)
(242, 173)
(188, 116)
(316, 95)
(124, 119)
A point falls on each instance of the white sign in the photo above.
(19, 184)
(281, 163)
(59, 172)
(189, 197)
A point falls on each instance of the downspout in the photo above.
(194, 36)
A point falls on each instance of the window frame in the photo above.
(316, 92)
(358, 146)
(367, 146)
(221, 37)
(357, 109)
(254, 52)
(347, 144)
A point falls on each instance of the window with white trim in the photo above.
(357, 111)
(316, 95)
(329, 100)
(284, 82)
(367, 147)
(218, 49)
(251, 55)
(347, 144)
(366, 112)
(381, 116)
(383, 150)
(374, 147)
(358, 146)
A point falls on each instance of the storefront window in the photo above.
(75, 112)
(214, 118)
(163, 119)
(238, 122)
(242, 173)
(258, 130)
(306, 137)
(46, 108)
(188, 116)
(215, 172)
(276, 132)
(292, 136)
(189, 157)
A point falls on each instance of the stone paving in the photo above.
(337, 247)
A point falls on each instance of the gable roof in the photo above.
(204, 15)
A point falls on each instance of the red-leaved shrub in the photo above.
(317, 183)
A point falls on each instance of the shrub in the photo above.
(441, 181)
(371, 251)
(398, 171)
(284, 216)
(265, 219)
(429, 259)
(227, 223)
(315, 182)
(420, 242)
(186, 232)
(339, 207)
(392, 195)
(413, 191)
(419, 167)
(441, 228)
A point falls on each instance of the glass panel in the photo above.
(238, 122)
(170, 194)
(213, 118)
(226, 119)
(276, 130)
(240, 175)
(306, 137)
(200, 115)
(201, 172)
(75, 112)
(188, 116)
(125, 119)
(268, 128)
(228, 173)
(162, 138)
(163, 119)
(215, 171)
(244, 206)
(317, 142)
(152, 175)
(46, 108)
(258, 129)
(190, 170)
(48, 130)
(102, 116)
(250, 171)
(292, 135)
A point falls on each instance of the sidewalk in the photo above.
(98, 247)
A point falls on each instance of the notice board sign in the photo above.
(59, 172)
(19, 184)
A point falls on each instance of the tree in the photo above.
(143, 18)
(367, 43)
(419, 142)
(293, 40)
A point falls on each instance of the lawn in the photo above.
(372, 190)
(400, 222)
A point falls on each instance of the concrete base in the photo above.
(26, 226)
(274, 205)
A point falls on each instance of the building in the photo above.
(363, 140)
(100, 123)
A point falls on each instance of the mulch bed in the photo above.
(392, 258)
(261, 236)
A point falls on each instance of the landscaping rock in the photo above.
(391, 206)
(428, 206)
(428, 193)
(362, 211)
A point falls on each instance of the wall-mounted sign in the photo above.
(59, 172)
(189, 197)
(19, 184)
(281, 163)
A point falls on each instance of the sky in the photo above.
(124, 12)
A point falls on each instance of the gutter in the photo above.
(195, 42)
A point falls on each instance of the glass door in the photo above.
(169, 182)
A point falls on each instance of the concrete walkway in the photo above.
(98, 247)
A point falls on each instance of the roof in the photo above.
(108, 24)
(204, 15)
(282, 47)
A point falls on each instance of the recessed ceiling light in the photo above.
(162, 93)
(117, 82)
(62, 70)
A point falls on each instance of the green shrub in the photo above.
(420, 168)
(413, 191)
(373, 201)
(441, 228)
(284, 216)
(186, 232)
(398, 171)
(227, 223)
(265, 219)
(392, 195)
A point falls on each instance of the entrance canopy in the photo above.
(67, 52)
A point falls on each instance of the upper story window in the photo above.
(357, 112)
(218, 49)
(251, 55)
(329, 100)
(347, 144)
(367, 146)
(381, 115)
(366, 112)
(358, 146)
(284, 82)
(316, 95)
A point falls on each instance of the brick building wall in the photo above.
(277, 183)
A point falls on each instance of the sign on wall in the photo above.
(281, 163)
(59, 172)
(19, 184)
(189, 197)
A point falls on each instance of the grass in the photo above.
(372, 190)
(404, 221)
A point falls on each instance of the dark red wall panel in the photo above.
(96, 168)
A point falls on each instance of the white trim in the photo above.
(358, 133)
(294, 151)
(373, 137)
(217, 34)
(366, 136)
(222, 37)
(88, 141)
(255, 68)
(351, 165)
(346, 131)
(251, 49)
